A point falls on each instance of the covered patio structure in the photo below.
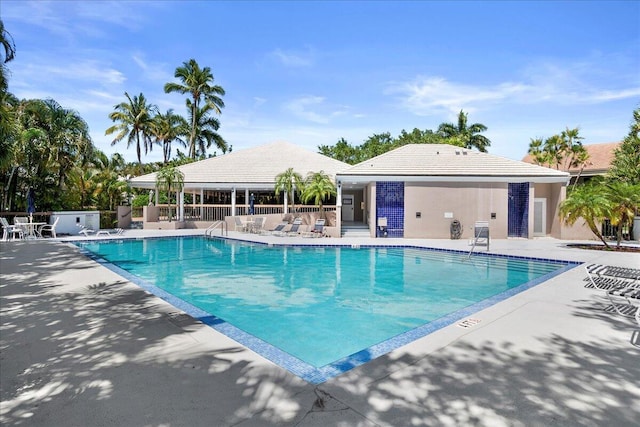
(222, 186)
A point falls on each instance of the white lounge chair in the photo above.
(51, 228)
(277, 229)
(606, 277)
(114, 232)
(85, 231)
(8, 229)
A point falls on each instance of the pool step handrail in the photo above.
(480, 232)
(218, 224)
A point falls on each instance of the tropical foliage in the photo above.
(318, 186)
(170, 179)
(460, 135)
(465, 135)
(617, 197)
(206, 98)
(134, 121)
(287, 182)
(561, 151)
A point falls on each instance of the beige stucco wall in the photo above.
(554, 193)
(468, 202)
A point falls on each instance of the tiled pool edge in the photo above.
(302, 369)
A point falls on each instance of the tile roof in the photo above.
(600, 158)
(449, 162)
(258, 166)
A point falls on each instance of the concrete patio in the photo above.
(81, 346)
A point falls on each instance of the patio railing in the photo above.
(219, 212)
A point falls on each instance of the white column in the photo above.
(246, 200)
(233, 201)
(181, 201)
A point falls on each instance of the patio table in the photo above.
(31, 229)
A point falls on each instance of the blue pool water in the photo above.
(327, 307)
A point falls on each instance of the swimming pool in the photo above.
(319, 310)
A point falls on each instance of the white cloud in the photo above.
(542, 84)
(293, 59)
(300, 108)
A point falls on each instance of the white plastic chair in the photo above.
(51, 228)
(10, 229)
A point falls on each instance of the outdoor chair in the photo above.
(257, 225)
(85, 231)
(8, 229)
(293, 230)
(317, 230)
(277, 229)
(606, 278)
(240, 226)
(631, 297)
(114, 232)
(601, 270)
(51, 228)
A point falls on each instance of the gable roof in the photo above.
(255, 167)
(600, 158)
(442, 162)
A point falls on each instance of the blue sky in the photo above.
(313, 72)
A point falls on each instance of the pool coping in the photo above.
(291, 363)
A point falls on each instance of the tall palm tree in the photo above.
(288, 181)
(198, 82)
(167, 128)
(318, 186)
(206, 134)
(134, 121)
(169, 178)
(589, 202)
(468, 134)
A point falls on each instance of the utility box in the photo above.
(70, 221)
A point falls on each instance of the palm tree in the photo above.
(287, 181)
(134, 121)
(317, 187)
(170, 178)
(469, 135)
(589, 202)
(624, 201)
(9, 48)
(167, 128)
(206, 135)
(198, 82)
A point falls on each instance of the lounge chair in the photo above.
(7, 229)
(631, 297)
(114, 232)
(85, 231)
(293, 230)
(51, 228)
(317, 230)
(277, 229)
(606, 277)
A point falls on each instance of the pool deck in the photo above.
(81, 346)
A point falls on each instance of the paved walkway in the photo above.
(81, 346)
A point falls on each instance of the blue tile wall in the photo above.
(390, 204)
(518, 220)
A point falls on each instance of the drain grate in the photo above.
(467, 323)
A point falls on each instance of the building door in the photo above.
(518, 210)
(539, 217)
(347, 207)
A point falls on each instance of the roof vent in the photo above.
(464, 153)
(457, 152)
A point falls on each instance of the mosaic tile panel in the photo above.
(390, 205)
